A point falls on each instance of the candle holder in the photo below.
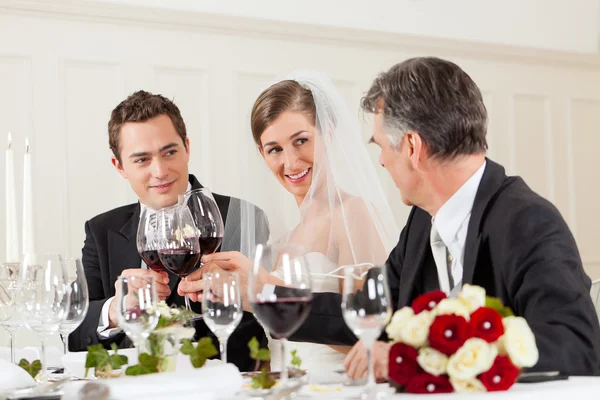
(9, 274)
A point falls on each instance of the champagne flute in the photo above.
(147, 240)
(222, 306)
(43, 297)
(79, 301)
(281, 309)
(137, 312)
(366, 310)
(9, 317)
(178, 246)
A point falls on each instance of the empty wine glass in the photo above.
(282, 309)
(43, 297)
(366, 309)
(178, 246)
(79, 301)
(147, 240)
(10, 319)
(137, 312)
(222, 306)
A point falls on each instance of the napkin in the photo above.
(13, 377)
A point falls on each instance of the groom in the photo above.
(470, 223)
(148, 138)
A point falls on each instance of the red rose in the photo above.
(486, 323)
(426, 383)
(501, 376)
(448, 332)
(402, 363)
(427, 301)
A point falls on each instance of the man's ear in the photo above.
(118, 166)
(187, 145)
(416, 148)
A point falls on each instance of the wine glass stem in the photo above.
(65, 340)
(187, 302)
(223, 348)
(44, 370)
(12, 346)
(284, 370)
(371, 374)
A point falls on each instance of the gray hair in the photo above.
(434, 98)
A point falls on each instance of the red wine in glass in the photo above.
(152, 260)
(209, 245)
(283, 316)
(181, 262)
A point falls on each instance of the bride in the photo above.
(312, 144)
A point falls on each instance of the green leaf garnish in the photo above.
(258, 353)
(262, 380)
(103, 362)
(199, 354)
(147, 364)
(296, 361)
(496, 304)
(32, 369)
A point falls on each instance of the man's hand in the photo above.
(161, 282)
(356, 363)
(230, 261)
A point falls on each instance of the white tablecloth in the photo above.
(575, 388)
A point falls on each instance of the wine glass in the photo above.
(9, 317)
(43, 297)
(137, 312)
(146, 240)
(222, 306)
(282, 309)
(178, 246)
(207, 217)
(79, 301)
(366, 309)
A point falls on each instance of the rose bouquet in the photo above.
(465, 344)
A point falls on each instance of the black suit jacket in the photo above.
(519, 249)
(110, 248)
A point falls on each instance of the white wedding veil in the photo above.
(345, 215)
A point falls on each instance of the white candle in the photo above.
(12, 234)
(28, 230)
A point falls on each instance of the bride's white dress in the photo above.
(315, 357)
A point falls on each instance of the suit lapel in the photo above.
(491, 181)
(413, 265)
(123, 252)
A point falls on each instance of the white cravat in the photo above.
(440, 256)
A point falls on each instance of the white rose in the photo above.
(473, 358)
(415, 330)
(518, 342)
(432, 361)
(472, 385)
(452, 306)
(473, 296)
(398, 321)
(164, 310)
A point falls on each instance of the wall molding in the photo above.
(197, 21)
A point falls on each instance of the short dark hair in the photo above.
(140, 107)
(434, 98)
(287, 95)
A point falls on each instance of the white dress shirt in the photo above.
(452, 222)
(103, 331)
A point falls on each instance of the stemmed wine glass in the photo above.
(207, 218)
(281, 309)
(137, 312)
(222, 306)
(43, 297)
(79, 301)
(178, 246)
(147, 240)
(366, 308)
(9, 317)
